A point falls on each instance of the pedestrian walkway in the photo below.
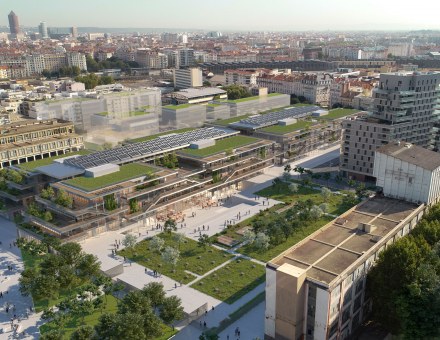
(19, 305)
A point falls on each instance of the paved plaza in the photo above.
(10, 255)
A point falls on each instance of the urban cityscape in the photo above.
(201, 171)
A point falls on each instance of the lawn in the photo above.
(274, 94)
(110, 307)
(146, 138)
(139, 113)
(338, 113)
(283, 129)
(125, 173)
(192, 258)
(225, 122)
(232, 281)
(30, 166)
(220, 146)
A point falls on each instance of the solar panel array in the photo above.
(272, 118)
(149, 148)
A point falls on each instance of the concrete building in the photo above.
(195, 95)
(186, 78)
(186, 57)
(404, 109)
(14, 26)
(314, 87)
(316, 289)
(42, 28)
(241, 77)
(25, 141)
(409, 172)
(76, 59)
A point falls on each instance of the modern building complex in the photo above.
(25, 141)
(186, 78)
(405, 109)
(316, 289)
(407, 171)
(42, 28)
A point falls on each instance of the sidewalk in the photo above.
(9, 285)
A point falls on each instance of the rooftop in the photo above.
(31, 125)
(333, 249)
(199, 92)
(412, 154)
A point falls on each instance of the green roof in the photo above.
(30, 166)
(243, 99)
(283, 129)
(126, 172)
(144, 139)
(213, 105)
(274, 94)
(338, 113)
(220, 146)
(177, 107)
(225, 122)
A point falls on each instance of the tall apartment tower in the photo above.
(42, 28)
(14, 27)
(405, 108)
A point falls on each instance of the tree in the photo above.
(70, 253)
(154, 292)
(129, 241)
(349, 199)
(105, 325)
(179, 238)
(286, 176)
(326, 193)
(169, 226)
(324, 207)
(261, 241)
(326, 176)
(249, 236)
(236, 92)
(88, 266)
(129, 326)
(287, 168)
(47, 216)
(48, 193)
(135, 301)
(48, 314)
(54, 334)
(170, 255)
(315, 212)
(83, 333)
(299, 170)
(293, 188)
(156, 243)
(171, 309)
(107, 146)
(134, 205)
(110, 202)
(387, 281)
(63, 199)
(204, 241)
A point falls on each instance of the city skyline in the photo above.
(279, 15)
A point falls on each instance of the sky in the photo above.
(243, 15)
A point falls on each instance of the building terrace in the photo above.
(337, 248)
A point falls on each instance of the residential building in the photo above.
(27, 140)
(189, 77)
(242, 77)
(76, 59)
(14, 26)
(74, 32)
(195, 95)
(409, 172)
(315, 87)
(317, 288)
(186, 57)
(404, 109)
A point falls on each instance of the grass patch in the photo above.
(220, 146)
(146, 138)
(192, 258)
(274, 94)
(75, 322)
(338, 113)
(167, 332)
(125, 172)
(281, 130)
(177, 107)
(213, 105)
(138, 113)
(30, 166)
(225, 122)
(232, 281)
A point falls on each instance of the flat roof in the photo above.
(31, 125)
(59, 170)
(412, 154)
(199, 92)
(331, 250)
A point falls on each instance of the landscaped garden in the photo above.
(147, 138)
(193, 257)
(232, 281)
(220, 145)
(126, 172)
(283, 129)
